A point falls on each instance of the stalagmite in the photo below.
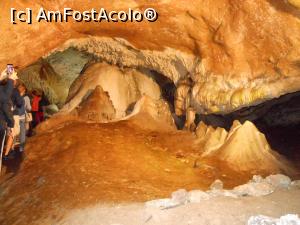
(152, 114)
(244, 148)
(124, 87)
(215, 141)
(97, 107)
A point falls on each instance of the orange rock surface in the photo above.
(243, 44)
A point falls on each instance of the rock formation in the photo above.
(152, 114)
(97, 107)
(240, 53)
(124, 87)
(244, 148)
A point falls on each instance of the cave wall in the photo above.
(240, 52)
(55, 74)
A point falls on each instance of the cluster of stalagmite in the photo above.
(244, 148)
(124, 87)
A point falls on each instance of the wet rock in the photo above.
(254, 189)
(289, 219)
(279, 181)
(197, 196)
(216, 185)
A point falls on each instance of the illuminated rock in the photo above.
(97, 107)
(295, 3)
(239, 53)
(152, 114)
(216, 139)
(244, 148)
(124, 87)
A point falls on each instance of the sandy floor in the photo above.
(81, 165)
(218, 211)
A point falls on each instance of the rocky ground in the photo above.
(217, 211)
(80, 166)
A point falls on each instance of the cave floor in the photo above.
(81, 164)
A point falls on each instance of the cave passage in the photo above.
(278, 119)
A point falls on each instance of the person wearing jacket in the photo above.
(25, 109)
(36, 98)
(16, 104)
(6, 116)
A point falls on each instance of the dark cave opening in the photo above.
(166, 85)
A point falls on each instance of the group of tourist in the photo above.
(20, 112)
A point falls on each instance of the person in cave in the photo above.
(39, 104)
(25, 115)
(43, 105)
(7, 79)
(36, 98)
(16, 102)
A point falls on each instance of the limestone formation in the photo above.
(124, 88)
(215, 141)
(247, 149)
(97, 107)
(152, 114)
(239, 53)
(244, 148)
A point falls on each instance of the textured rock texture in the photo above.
(244, 148)
(97, 107)
(239, 52)
(124, 87)
(156, 111)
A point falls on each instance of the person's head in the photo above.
(10, 68)
(22, 88)
(36, 92)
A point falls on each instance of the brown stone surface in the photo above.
(245, 43)
(97, 107)
(232, 36)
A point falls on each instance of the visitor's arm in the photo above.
(8, 115)
(6, 91)
(27, 104)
